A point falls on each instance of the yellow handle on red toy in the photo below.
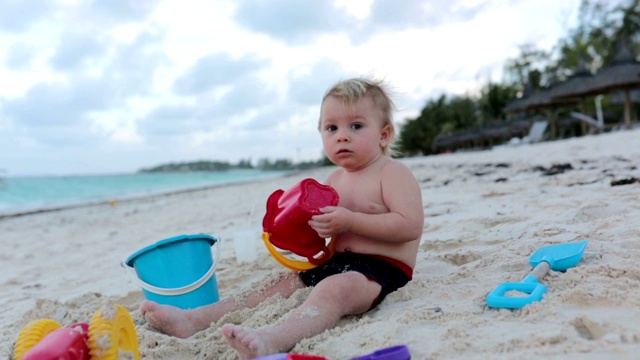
(296, 265)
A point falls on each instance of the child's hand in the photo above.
(333, 220)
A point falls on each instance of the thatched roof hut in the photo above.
(617, 98)
(573, 87)
(541, 100)
(552, 95)
(516, 105)
(623, 73)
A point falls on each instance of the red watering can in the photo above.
(286, 227)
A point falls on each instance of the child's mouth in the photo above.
(343, 153)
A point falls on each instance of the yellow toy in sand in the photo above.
(110, 335)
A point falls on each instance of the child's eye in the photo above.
(332, 128)
(356, 126)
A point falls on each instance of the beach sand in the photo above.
(485, 214)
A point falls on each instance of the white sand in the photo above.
(479, 233)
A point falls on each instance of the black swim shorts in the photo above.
(391, 274)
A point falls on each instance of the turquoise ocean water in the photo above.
(31, 194)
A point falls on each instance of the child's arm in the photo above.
(404, 222)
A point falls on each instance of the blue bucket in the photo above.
(178, 271)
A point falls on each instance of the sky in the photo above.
(103, 87)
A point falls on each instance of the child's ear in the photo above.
(385, 135)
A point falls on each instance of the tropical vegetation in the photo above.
(600, 24)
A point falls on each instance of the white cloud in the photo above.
(116, 86)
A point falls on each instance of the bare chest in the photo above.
(361, 195)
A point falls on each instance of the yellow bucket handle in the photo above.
(296, 265)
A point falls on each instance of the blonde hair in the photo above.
(351, 90)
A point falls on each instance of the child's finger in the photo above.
(327, 209)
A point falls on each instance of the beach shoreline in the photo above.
(486, 212)
(29, 210)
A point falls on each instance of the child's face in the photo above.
(352, 138)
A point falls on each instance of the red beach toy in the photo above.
(52, 341)
(286, 225)
(397, 352)
(110, 334)
(285, 356)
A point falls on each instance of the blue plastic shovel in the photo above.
(557, 257)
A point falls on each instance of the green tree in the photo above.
(527, 69)
(493, 101)
(439, 117)
(244, 164)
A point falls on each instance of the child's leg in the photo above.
(184, 323)
(334, 297)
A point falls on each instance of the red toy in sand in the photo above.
(110, 335)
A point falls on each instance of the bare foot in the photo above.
(168, 319)
(246, 341)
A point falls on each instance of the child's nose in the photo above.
(343, 135)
